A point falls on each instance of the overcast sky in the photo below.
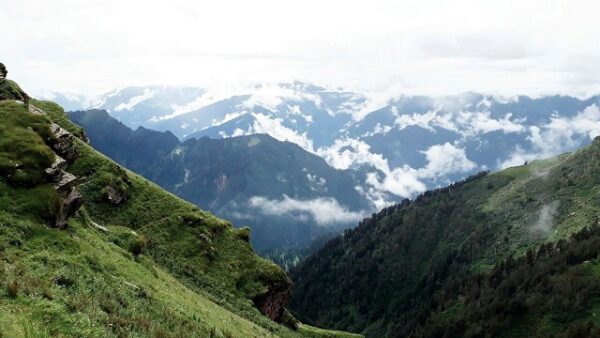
(428, 47)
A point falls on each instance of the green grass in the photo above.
(151, 266)
(313, 332)
(23, 150)
(92, 287)
(58, 116)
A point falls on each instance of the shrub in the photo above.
(243, 233)
(138, 245)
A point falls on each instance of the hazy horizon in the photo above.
(386, 48)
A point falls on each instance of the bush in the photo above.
(138, 245)
(243, 234)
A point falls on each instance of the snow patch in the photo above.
(134, 101)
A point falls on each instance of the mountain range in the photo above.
(288, 196)
(401, 146)
(89, 248)
(386, 152)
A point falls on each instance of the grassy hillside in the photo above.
(134, 261)
(417, 268)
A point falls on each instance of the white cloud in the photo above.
(316, 180)
(265, 124)
(427, 47)
(444, 159)
(275, 128)
(324, 211)
(559, 135)
(295, 110)
(272, 96)
(546, 217)
(346, 153)
(481, 123)
(466, 123)
(588, 121)
(404, 181)
(378, 129)
(428, 120)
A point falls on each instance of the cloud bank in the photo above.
(559, 135)
(324, 211)
(400, 47)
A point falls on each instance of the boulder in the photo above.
(68, 206)
(113, 195)
(35, 110)
(54, 170)
(63, 143)
(63, 181)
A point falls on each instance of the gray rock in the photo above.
(63, 143)
(114, 196)
(68, 207)
(55, 168)
(65, 182)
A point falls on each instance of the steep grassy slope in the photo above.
(134, 261)
(396, 270)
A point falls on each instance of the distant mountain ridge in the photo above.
(288, 196)
(400, 147)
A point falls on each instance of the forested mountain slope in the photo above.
(88, 249)
(509, 254)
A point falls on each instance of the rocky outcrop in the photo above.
(56, 167)
(68, 206)
(10, 90)
(273, 302)
(63, 181)
(63, 143)
(113, 195)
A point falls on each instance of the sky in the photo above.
(385, 48)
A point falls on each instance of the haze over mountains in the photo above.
(400, 148)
